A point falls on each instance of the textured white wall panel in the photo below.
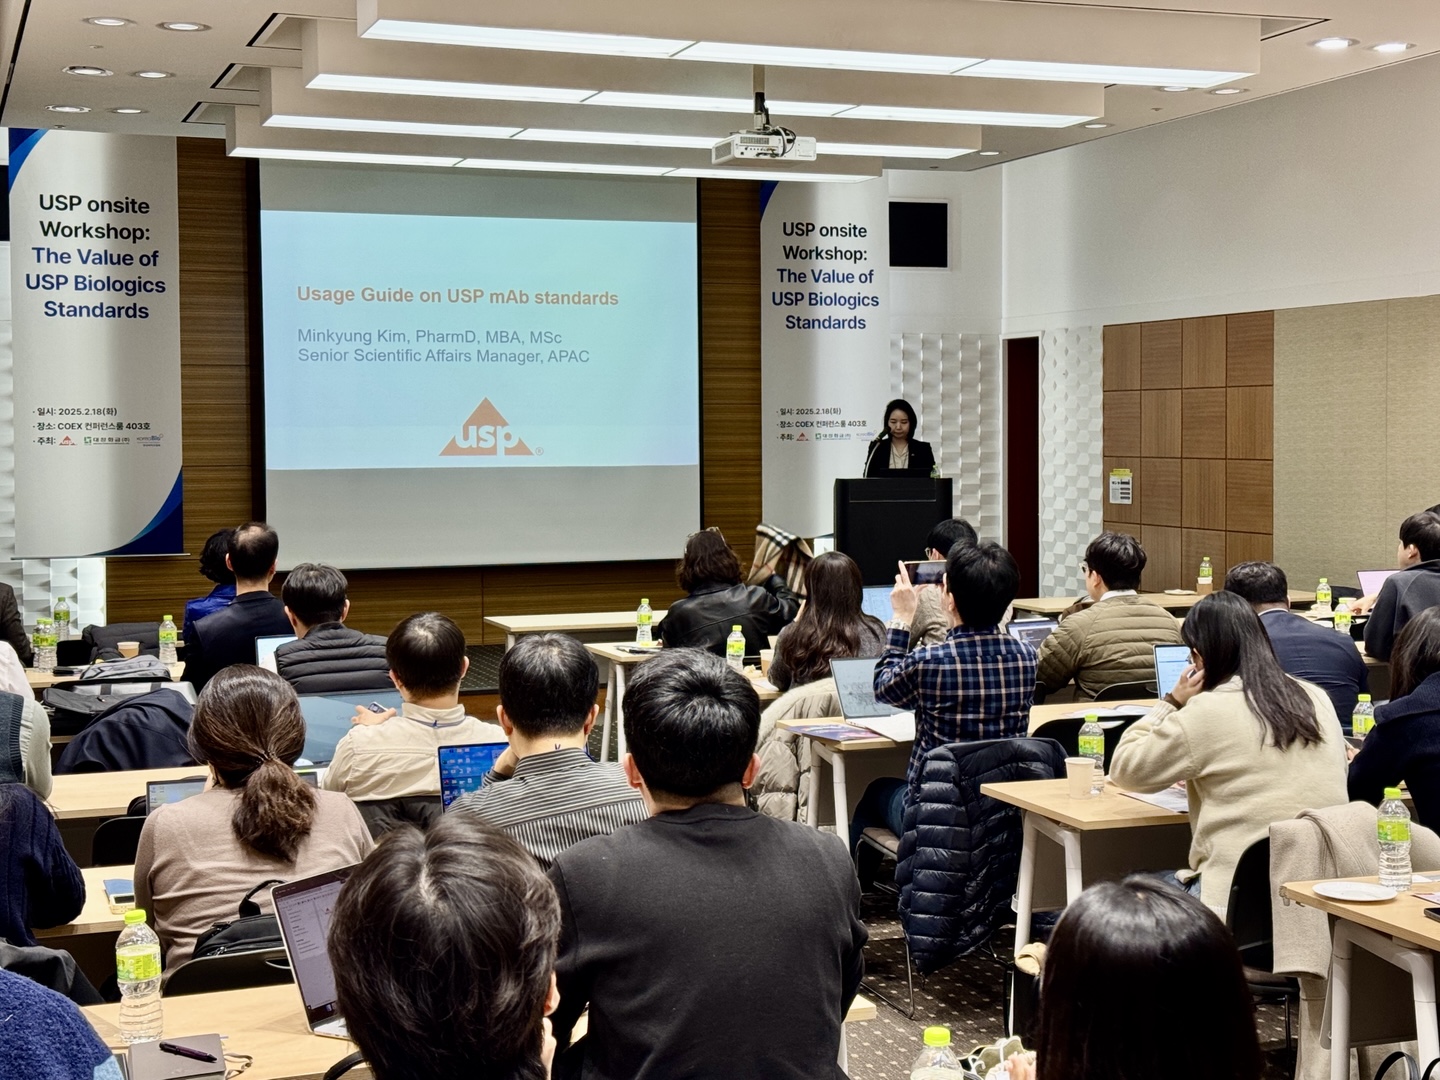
(1071, 453)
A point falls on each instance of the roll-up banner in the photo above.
(95, 293)
(824, 342)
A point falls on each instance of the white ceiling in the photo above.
(225, 66)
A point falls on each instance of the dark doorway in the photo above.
(1022, 459)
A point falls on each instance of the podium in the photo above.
(883, 521)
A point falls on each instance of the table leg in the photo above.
(844, 1051)
(611, 704)
(1427, 1031)
(509, 641)
(1025, 890)
(842, 804)
(1074, 879)
(619, 670)
(818, 753)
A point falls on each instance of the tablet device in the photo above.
(1032, 631)
(463, 768)
(875, 600)
(1170, 663)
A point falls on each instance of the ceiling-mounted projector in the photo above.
(768, 146)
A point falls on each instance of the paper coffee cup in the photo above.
(128, 648)
(1080, 772)
(766, 656)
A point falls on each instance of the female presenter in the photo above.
(894, 452)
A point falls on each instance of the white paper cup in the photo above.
(766, 656)
(1080, 771)
(128, 648)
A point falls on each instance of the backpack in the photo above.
(250, 932)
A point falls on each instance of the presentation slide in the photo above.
(478, 370)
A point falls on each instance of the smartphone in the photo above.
(1433, 913)
(119, 894)
(376, 707)
(929, 572)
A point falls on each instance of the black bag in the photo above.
(1411, 1067)
(250, 932)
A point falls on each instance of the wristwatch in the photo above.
(899, 624)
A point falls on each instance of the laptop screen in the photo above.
(1371, 580)
(463, 767)
(265, 649)
(1032, 631)
(1170, 663)
(303, 909)
(327, 718)
(875, 600)
(158, 793)
(855, 686)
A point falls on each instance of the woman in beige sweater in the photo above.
(1253, 745)
(258, 820)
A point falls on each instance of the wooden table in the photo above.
(1398, 932)
(1040, 715)
(108, 794)
(43, 680)
(574, 623)
(1049, 811)
(1176, 601)
(95, 917)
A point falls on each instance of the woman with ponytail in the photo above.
(256, 819)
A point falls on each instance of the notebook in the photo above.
(303, 909)
(265, 649)
(1170, 663)
(855, 686)
(146, 1061)
(463, 767)
(1371, 580)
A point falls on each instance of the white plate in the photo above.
(1354, 891)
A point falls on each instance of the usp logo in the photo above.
(486, 433)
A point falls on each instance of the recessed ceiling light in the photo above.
(108, 20)
(1096, 126)
(1392, 46)
(1227, 91)
(1334, 44)
(1175, 89)
(183, 26)
(288, 154)
(87, 69)
(989, 153)
(153, 74)
(68, 108)
(563, 167)
(127, 111)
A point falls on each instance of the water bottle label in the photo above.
(1394, 832)
(137, 964)
(1092, 745)
(643, 618)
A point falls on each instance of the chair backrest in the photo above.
(1248, 913)
(230, 971)
(1067, 734)
(1126, 691)
(115, 841)
(382, 815)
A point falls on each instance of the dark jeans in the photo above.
(882, 805)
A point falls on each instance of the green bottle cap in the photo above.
(937, 1036)
(134, 915)
(736, 629)
(165, 618)
(1392, 793)
(1092, 718)
(1324, 581)
(1363, 697)
(643, 600)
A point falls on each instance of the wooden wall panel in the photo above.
(1248, 547)
(1204, 494)
(1121, 345)
(1122, 424)
(1250, 349)
(1250, 422)
(1163, 547)
(1202, 423)
(1160, 423)
(1202, 352)
(1160, 349)
(1249, 496)
(1196, 544)
(1160, 491)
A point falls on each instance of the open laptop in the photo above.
(1371, 580)
(855, 687)
(265, 649)
(1170, 663)
(160, 793)
(1031, 631)
(463, 767)
(327, 718)
(875, 600)
(303, 910)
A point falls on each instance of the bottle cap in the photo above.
(1092, 718)
(134, 915)
(643, 600)
(1392, 793)
(736, 629)
(1324, 581)
(1363, 697)
(165, 618)
(937, 1036)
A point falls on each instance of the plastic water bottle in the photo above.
(1322, 594)
(1342, 618)
(1393, 827)
(1363, 718)
(44, 643)
(62, 619)
(1092, 745)
(1205, 580)
(735, 648)
(137, 969)
(169, 634)
(643, 617)
(937, 1061)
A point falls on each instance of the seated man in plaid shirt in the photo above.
(976, 684)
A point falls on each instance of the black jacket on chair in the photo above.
(334, 659)
(877, 459)
(703, 619)
(147, 732)
(959, 858)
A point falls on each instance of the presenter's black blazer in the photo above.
(877, 459)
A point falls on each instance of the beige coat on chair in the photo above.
(782, 784)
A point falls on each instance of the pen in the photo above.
(185, 1051)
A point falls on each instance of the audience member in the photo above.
(716, 601)
(390, 756)
(709, 941)
(830, 626)
(1133, 970)
(1111, 641)
(1252, 744)
(45, 1036)
(1305, 649)
(41, 886)
(258, 820)
(12, 627)
(1409, 592)
(24, 729)
(1362, 605)
(545, 791)
(228, 636)
(443, 945)
(978, 683)
(329, 657)
(214, 567)
(930, 625)
(1404, 745)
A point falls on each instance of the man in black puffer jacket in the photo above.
(329, 657)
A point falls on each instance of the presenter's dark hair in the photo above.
(691, 722)
(212, 558)
(1134, 969)
(548, 684)
(426, 654)
(315, 593)
(1118, 558)
(1258, 582)
(1422, 530)
(830, 624)
(1416, 655)
(254, 547)
(905, 407)
(944, 535)
(983, 580)
(248, 728)
(708, 560)
(443, 943)
(1226, 633)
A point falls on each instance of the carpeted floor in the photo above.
(484, 674)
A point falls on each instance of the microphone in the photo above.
(871, 456)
